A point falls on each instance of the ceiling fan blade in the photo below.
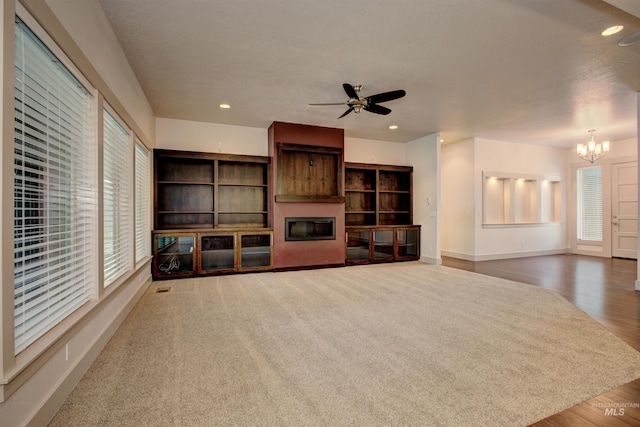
(351, 92)
(330, 103)
(378, 109)
(347, 112)
(386, 96)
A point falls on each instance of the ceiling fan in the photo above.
(368, 103)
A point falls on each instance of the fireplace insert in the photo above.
(310, 228)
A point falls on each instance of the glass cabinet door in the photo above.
(217, 252)
(174, 254)
(407, 243)
(358, 246)
(383, 245)
(255, 251)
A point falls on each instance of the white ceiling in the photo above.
(514, 70)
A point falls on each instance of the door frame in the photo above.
(604, 248)
(614, 243)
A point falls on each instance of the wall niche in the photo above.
(518, 199)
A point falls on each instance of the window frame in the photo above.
(90, 209)
(17, 369)
(142, 200)
(579, 227)
(126, 229)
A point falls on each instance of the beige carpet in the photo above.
(400, 344)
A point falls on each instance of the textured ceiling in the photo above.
(514, 70)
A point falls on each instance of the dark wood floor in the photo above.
(604, 288)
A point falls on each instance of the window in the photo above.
(55, 197)
(143, 223)
(589, 209)
(118, 243)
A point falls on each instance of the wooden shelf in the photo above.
(378, 194)
(184, 170)
(208, 190)
(242, 173)
(184, 183)
(308, 199)
(361, 212)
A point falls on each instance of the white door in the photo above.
(624, 210)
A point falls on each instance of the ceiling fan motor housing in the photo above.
(369, 103)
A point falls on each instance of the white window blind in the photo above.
(118, 227)
(589, 198)
(55, 197)
(143, 222)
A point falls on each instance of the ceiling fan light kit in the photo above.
(356, 103)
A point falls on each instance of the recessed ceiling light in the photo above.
(225, 106)
(612, 30)
(393, 127)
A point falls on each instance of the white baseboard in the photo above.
(507, 255)
(429, 260)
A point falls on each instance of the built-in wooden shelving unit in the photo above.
(378, 214)
(199, 194)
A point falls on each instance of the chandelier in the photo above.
(592, 150)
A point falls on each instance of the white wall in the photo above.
(623, 148)
(172, 134)
(509, 157)
(464, 235)
(424, 155)
(458, 199)
(90, 29)
(188, 135)
(358, 150)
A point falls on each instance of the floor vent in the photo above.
(161, 290)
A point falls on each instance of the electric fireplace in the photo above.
(310, 228)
